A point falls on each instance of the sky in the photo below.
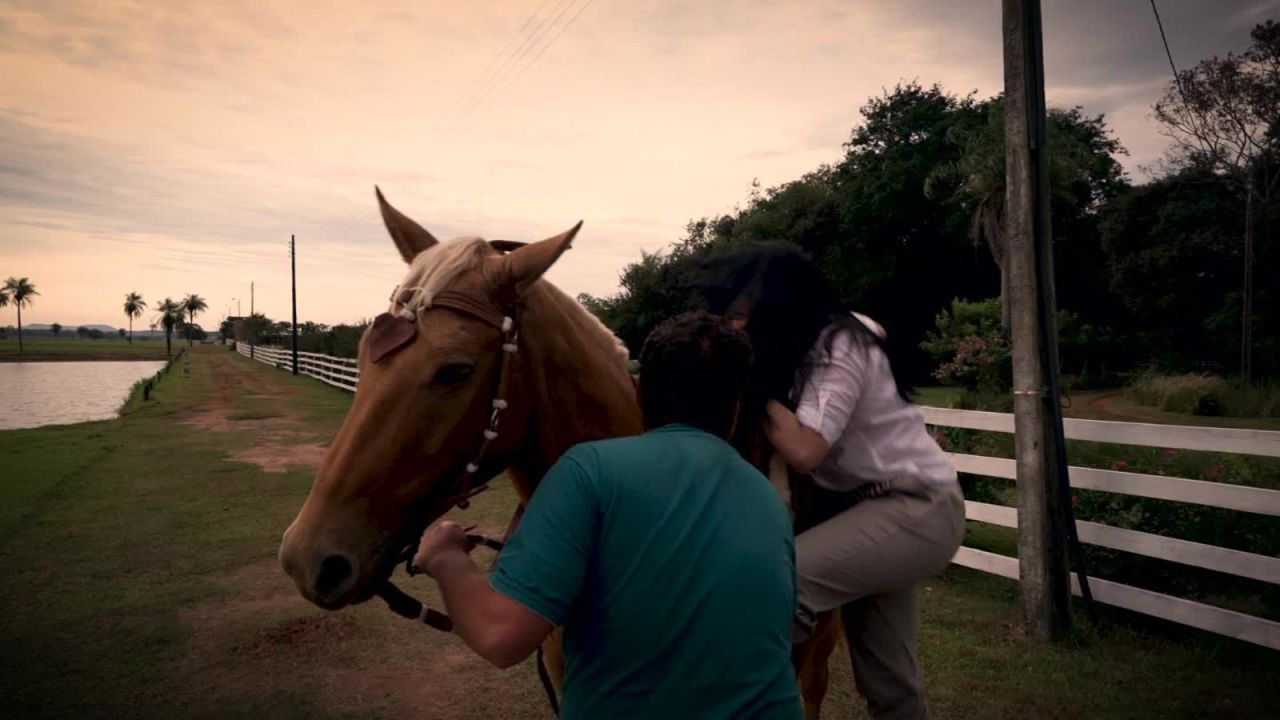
(173, 147)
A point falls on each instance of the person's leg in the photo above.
(879, 546)
(881, 630)
(870, 558)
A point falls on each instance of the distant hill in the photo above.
(40, 327)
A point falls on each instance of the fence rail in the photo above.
(343, 373)
(1212, 494)
(338, 372)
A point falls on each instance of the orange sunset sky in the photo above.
(172, 147)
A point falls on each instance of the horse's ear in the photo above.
(410, 238)
(520, 268)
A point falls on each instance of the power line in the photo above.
(544, 48)
(475, 83)
(1177, 79)
(516, 54)
(530, 42)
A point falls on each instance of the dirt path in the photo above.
(362, 661)
(281, 440)
(1109, 405)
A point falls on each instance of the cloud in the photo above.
(159, 145)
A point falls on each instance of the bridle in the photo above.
(467, 486)
(506, 321)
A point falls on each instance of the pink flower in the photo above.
(1170, 454)
(1121, 464)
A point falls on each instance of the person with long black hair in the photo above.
(884, 509)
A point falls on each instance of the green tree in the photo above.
(170, 316)
(133, 307)
(1172, 258)
(1083, 174)
(56, 329)
(892, 223)
(21, 292)
(1223, 115)
(193, 304)
(120, 332)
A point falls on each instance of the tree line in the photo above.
(173, 314)
(911, 219)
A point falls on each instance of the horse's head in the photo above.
(428, 375)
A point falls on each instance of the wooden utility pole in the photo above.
(1042, 533)
(1246, 331)
(293, 274)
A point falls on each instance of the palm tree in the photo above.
(21, 292)
(193, 304)
(133, 307)
(170, 316)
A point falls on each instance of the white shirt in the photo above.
(851, 400)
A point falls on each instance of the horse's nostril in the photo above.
(336, 577)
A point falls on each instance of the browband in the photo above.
(469, 304)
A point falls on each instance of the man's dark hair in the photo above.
(694, 370)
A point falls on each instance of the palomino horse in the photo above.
(472, 335)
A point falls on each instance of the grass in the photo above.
(141, 583)
(1204, 394)
(936, 396)
(46, 348)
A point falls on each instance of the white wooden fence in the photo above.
(342, 373)
(335, 371)
(1221, 495)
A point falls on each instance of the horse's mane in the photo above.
(435, 268)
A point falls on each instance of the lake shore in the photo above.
(87, 357)
(49, 349)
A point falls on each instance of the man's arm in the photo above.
(497, 628)
(505, 615)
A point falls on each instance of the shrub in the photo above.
(1204, 394)
(964, 319)
(970, 347)
(1255, 401)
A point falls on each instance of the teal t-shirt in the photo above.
(670, 562)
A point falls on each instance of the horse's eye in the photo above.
(453, 373)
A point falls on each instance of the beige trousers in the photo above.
(868, 561)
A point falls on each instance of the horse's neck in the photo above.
(577, 385)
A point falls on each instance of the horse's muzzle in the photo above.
(324, 575)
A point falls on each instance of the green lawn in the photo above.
(74, 348)
(141, 582)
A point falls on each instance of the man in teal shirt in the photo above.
(666, 557)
